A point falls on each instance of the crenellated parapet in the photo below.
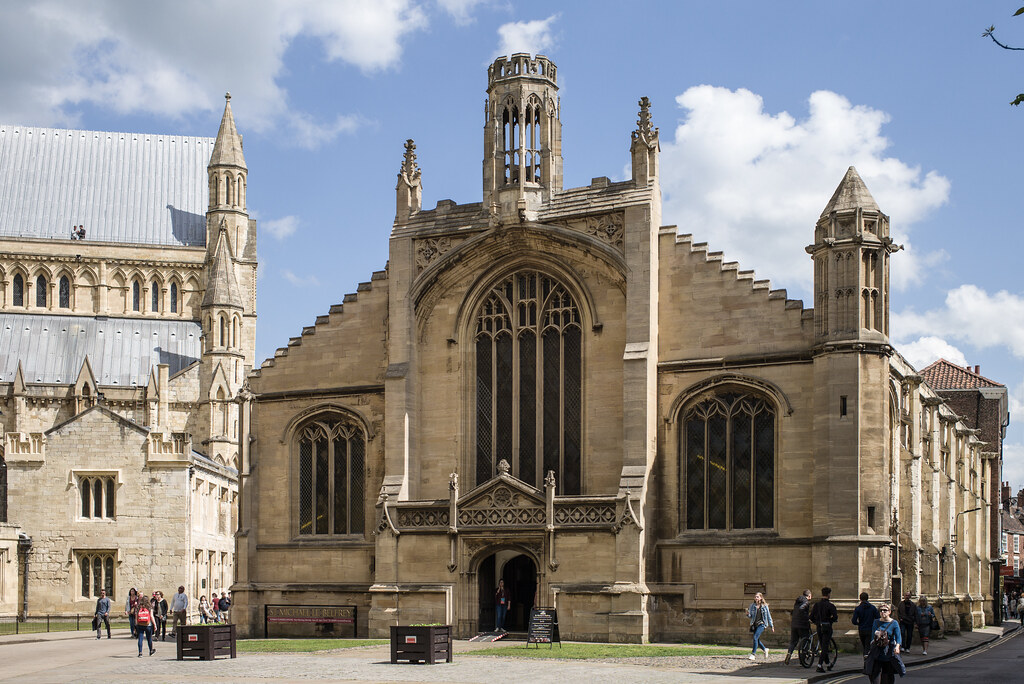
(522, 65)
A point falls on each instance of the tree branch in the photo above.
(1005, 47)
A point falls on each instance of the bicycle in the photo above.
(809, 650)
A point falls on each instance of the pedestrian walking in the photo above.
(1006, 606)
(864, 616)
(144, 624)
(215, 607)
(881, 664)
(162, 605)
(906, 613)
(204, 610)
(800, 624)
(102, 616)
(225, 606)
(129, 608)
(179, 609)
(925, 620)
(824, 615)
(760, 619)
(1020, 610)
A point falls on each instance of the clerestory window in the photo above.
(529, 382)
(18, 293)
(728, 447)
(64, 293)
(41, 288)
(332, 462)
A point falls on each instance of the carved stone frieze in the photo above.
(421, 517)
(605, 227)
(572, 515)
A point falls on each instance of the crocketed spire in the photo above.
(227, 151)
(221, 284)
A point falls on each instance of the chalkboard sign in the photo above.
(543, 627)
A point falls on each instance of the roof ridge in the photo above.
(4, 127)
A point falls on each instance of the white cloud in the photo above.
(176, 58)
(310, 135)
(733, 171)
(460, 10)
(308, 281)
(1013, 466)
(925, 350)
(970, 315)
(282, 227)
(526, 36)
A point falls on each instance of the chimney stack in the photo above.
(977, 370)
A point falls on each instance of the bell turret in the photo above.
(522, 136)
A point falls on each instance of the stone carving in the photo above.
(573, 515)
(410, 171)
(605, 227)
(644, 130)
(429, 249)
(491, 517)
(422, 517)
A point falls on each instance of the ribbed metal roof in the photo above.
(121, 351)
(123, 187)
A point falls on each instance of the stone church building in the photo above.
(550, 387)
(127, 324)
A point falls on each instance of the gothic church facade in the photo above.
(127, 302)
(552, 388)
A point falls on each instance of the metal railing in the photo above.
(40, 624)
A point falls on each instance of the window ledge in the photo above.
(726, 536)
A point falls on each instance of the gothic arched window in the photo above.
(728, 447)
(18, 294)
(154, 297)
(174, 298)
(528, 382)
(332, 462)
(41, 292)
(65, 293)
(136, 295)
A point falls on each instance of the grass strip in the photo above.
(573, 651)
(302, 645)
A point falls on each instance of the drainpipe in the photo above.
(24, 547)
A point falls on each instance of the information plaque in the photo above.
(543, 627)
(310, 621)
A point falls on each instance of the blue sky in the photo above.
(762, 107)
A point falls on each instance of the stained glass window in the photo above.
(728, 446)
(332, 463)
(529, 382)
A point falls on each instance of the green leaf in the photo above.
(1018, 100)
(1018, 12)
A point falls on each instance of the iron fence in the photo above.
(39, 624)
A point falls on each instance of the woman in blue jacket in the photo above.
(760, 620)
(881, 665)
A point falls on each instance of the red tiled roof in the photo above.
(945, 375)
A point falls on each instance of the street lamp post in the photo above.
(956, 522)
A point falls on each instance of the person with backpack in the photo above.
(800, 626)
(883, 658)
(925, 620)
(864, 616)
(824, 615)
(144, 624)
(760, 620)
(906, 613)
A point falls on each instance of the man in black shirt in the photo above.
(800, 627)
(824, 615)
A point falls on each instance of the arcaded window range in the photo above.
(729, 455)
(529, 382)
(97, 572)
(99, 496)
(332, 458)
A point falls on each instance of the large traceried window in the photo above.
(728, 447)
(332, 463)
(98, 495)
(529, 382)
(97, 573)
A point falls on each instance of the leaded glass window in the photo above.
(332, 475)
(41, 292)
(174, 298)
(65, 293)
(136, 295)
(529, 382)
(97, 573)
(728, 446)
(18, 291)
(98, 495)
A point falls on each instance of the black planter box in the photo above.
(205, 643)
(421, 644)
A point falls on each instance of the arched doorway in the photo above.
(520, 575)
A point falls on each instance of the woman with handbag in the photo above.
(760, 620)
(925, 621)
(883, 658)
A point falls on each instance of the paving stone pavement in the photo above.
(80, 657)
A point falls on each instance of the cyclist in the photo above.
(800, 627)
(824, 615)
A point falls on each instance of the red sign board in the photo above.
(193, 637)
(410, 640)
(1006, 570)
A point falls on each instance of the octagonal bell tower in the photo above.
(522, 137)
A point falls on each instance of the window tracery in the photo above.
(529, 381)
(728, 447)
(332, 462)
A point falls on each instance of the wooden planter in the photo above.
(421, 644)
(205, 643)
